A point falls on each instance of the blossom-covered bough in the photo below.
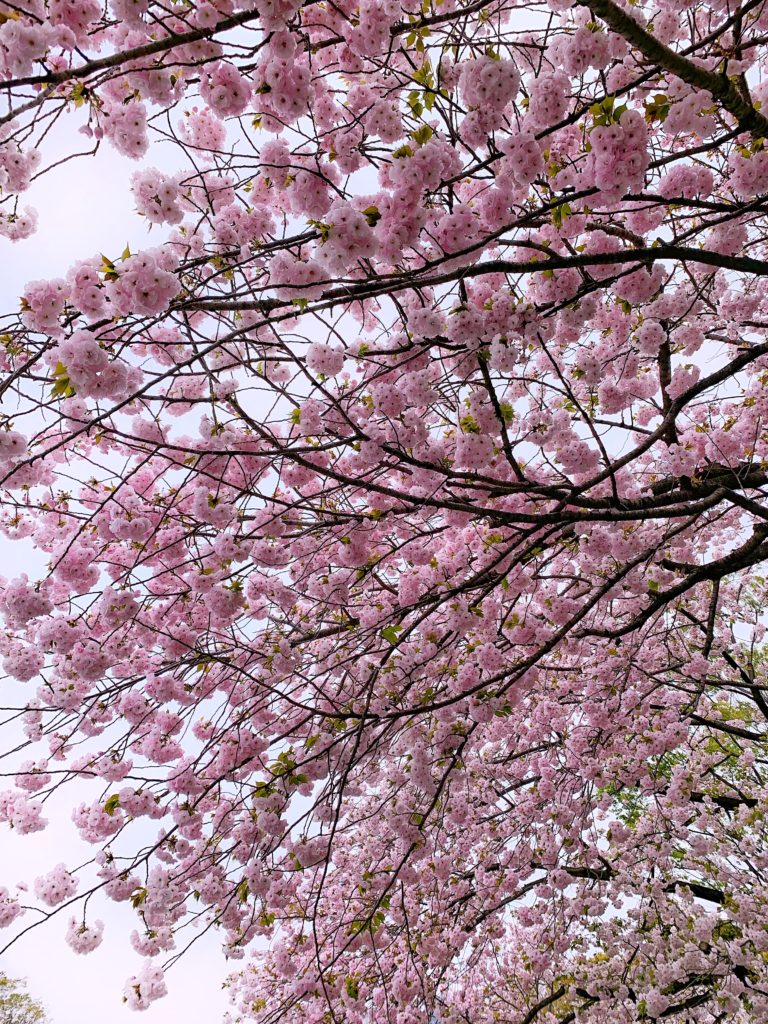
(404, 503)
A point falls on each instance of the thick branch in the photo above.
(719, 86)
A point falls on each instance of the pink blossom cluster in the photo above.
(157, 196)
(619, 156)
(687, 180)
(86, 288)
(487, 83)
(299, 278)
(22, 661)
(80, 16)
(55, 887)
(349, 240)
(21, 813)
(235, 226)
(548, 97)
(83, 938)
(125, 125)
(26, 40)
(325, 359)
(9, 908)
(17, 167)
(18, 226)
(586, 48)
(473, 451)
(146, 283)
(144, 988)
(203, 130)
(226, 90)
(523, 157)
(13, 446)
(749, 173)
(91, 371)
(371, 36)
(284, 78)
(44, 304)
(22, 601)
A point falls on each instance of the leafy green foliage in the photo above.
(17, 1006)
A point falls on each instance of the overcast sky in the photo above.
(85, 208)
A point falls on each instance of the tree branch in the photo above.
(719, 86)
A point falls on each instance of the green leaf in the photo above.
(62, 386)
(422, 135)
(112, 804)
(390, 634)
(423, 75)
(373, 215)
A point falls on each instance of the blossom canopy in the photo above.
(403, 503)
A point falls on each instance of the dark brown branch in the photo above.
(719, 86)
(543, 1004)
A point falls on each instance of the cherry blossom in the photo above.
(399, 502)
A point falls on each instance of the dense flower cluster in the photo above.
(144, 989)
(157, 196)
(619, 155)
(56, 886)
(402, 508)
(84, 938)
